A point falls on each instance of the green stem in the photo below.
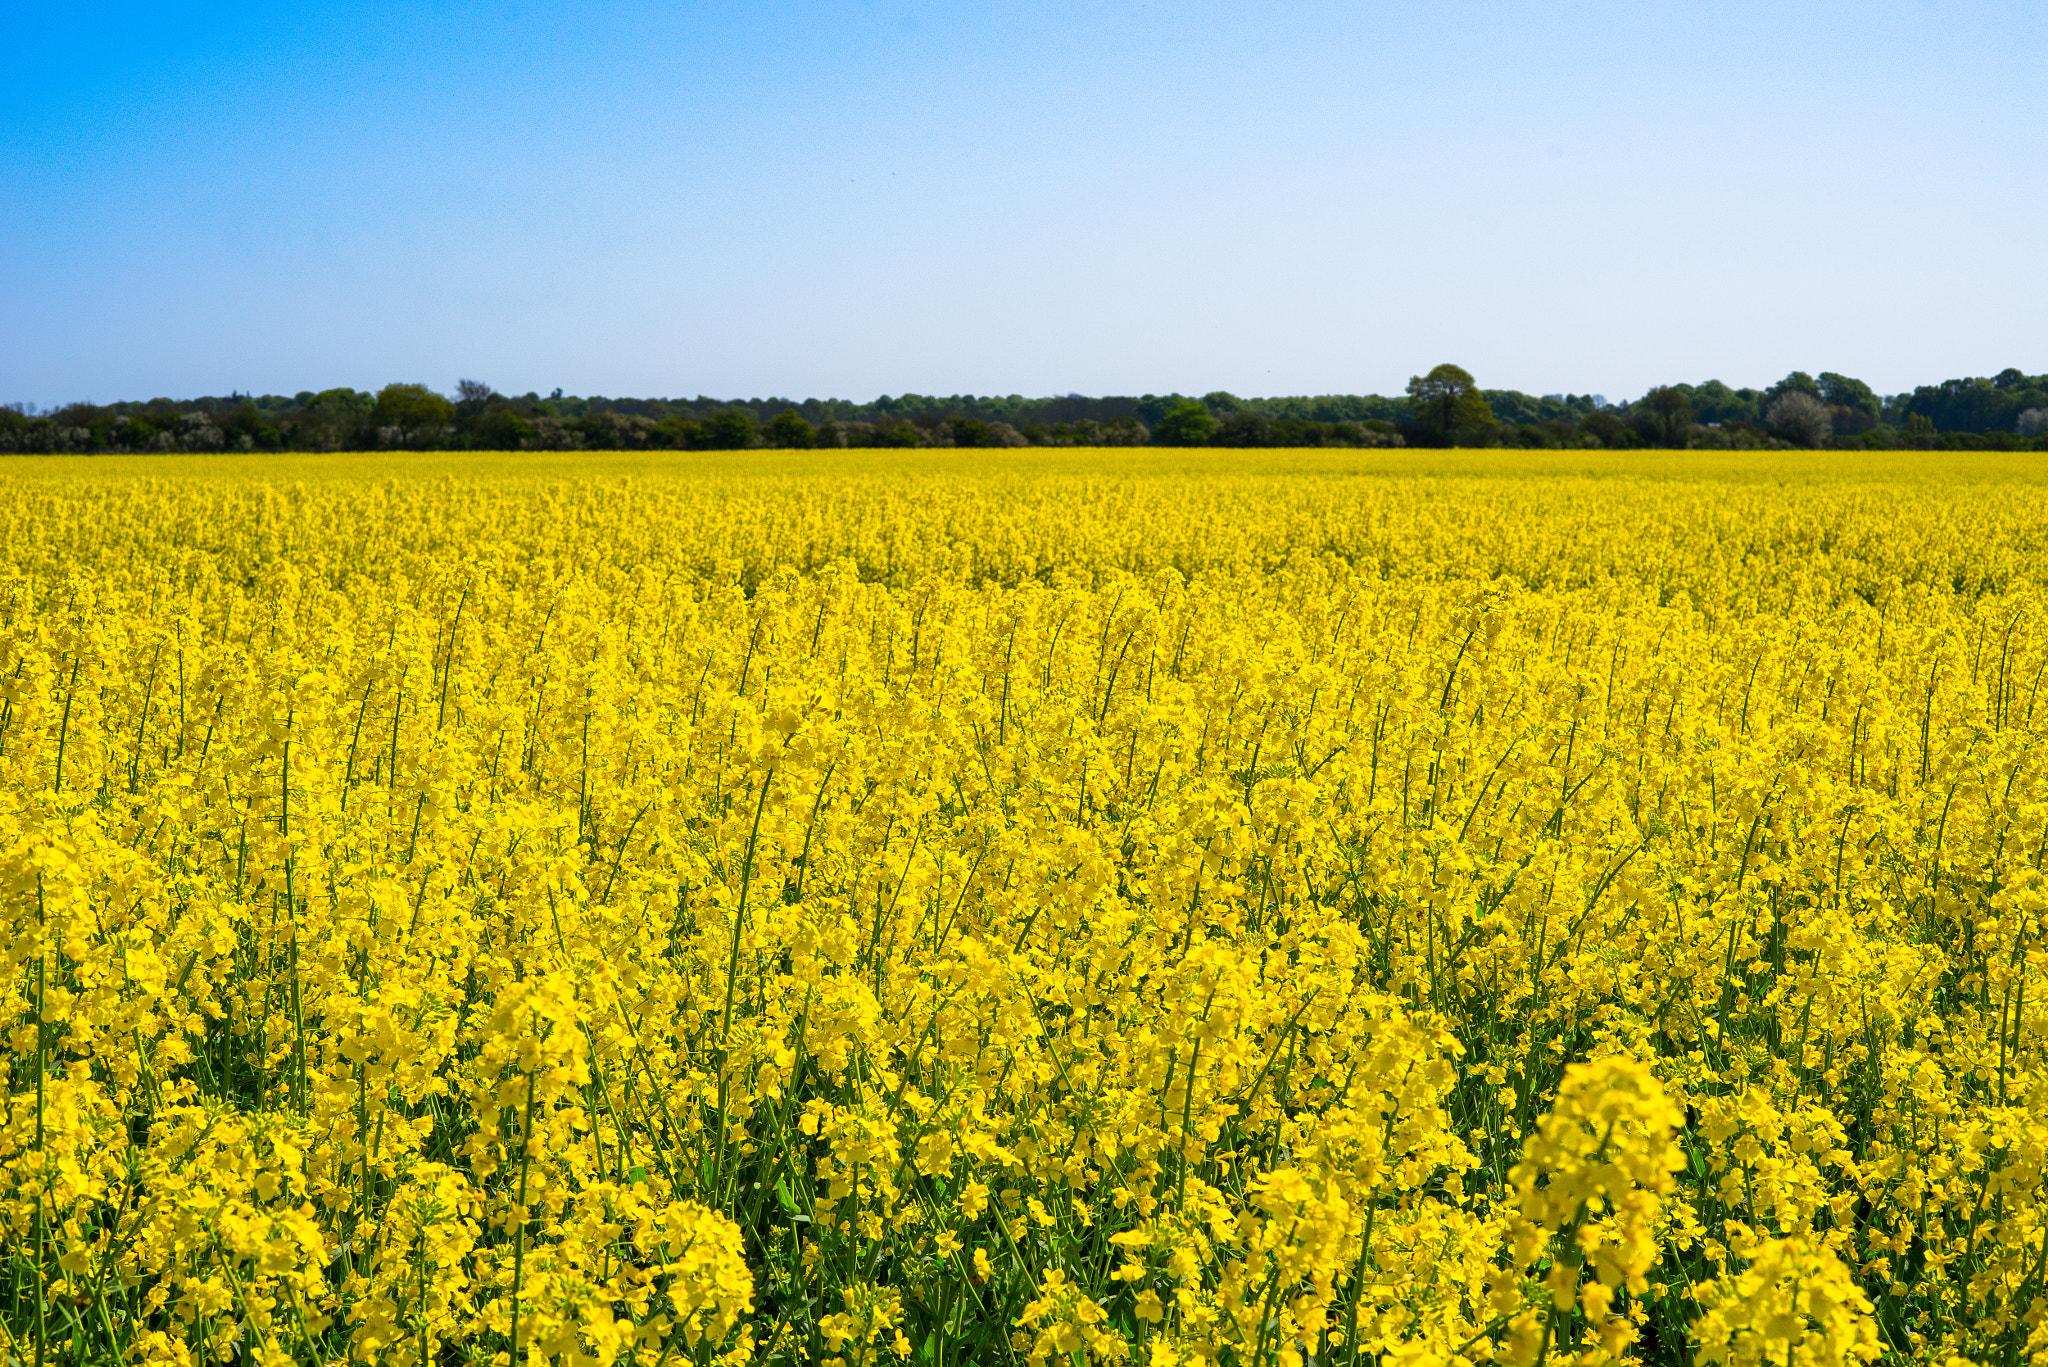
(42, 1331)
(64, 727)
(732, 977)
(519, 1237)
(739, 920)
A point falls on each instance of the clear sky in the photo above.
(847, 199)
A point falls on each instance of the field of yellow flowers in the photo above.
(1152, 907)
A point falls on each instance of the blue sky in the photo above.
(820, 199)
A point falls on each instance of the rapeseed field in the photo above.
(1081, 907)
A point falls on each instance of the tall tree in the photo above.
(330, 418)
(1965, 405)
(1664, 415)
(1798, 382)
(729, 429)
(1187, 423)
(790, 429)
(1449, 403)
(1839, 391)
(1715, 402)
(411, 406)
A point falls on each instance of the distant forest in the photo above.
(2008, 411)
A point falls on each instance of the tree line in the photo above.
(1442, 408)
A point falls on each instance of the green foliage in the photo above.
(1979, 405)
(1715, 402)
(504, 429)
(1798, 382)
(974, 432)
(790, 429)
(411, 408)
(678, 430)
(1664, 417)
(1450, 404)
(1839, 391)
(729, 429)
(1249, 429)
(1512, 407)
(1609, 430)
(901, 434)
(1185, 424)
(1959, 413)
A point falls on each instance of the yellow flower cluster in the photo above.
(1795, 1304)
(1592, 1178)
(1087, 907)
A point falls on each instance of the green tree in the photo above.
(1852, 406)
(790, 429)
(1714, 402)
(1798, 382)
(973, 432)
(330, 418)
(1449, 403)
(1840, 391)
(504, 430)
(729, 429)
(1187, 423)
(1245, 429)
(677, 430)
(413, 409)
(1608, 429)
(1965, 405)
(1664, 415)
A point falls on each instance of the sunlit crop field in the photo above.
(1079, 907)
